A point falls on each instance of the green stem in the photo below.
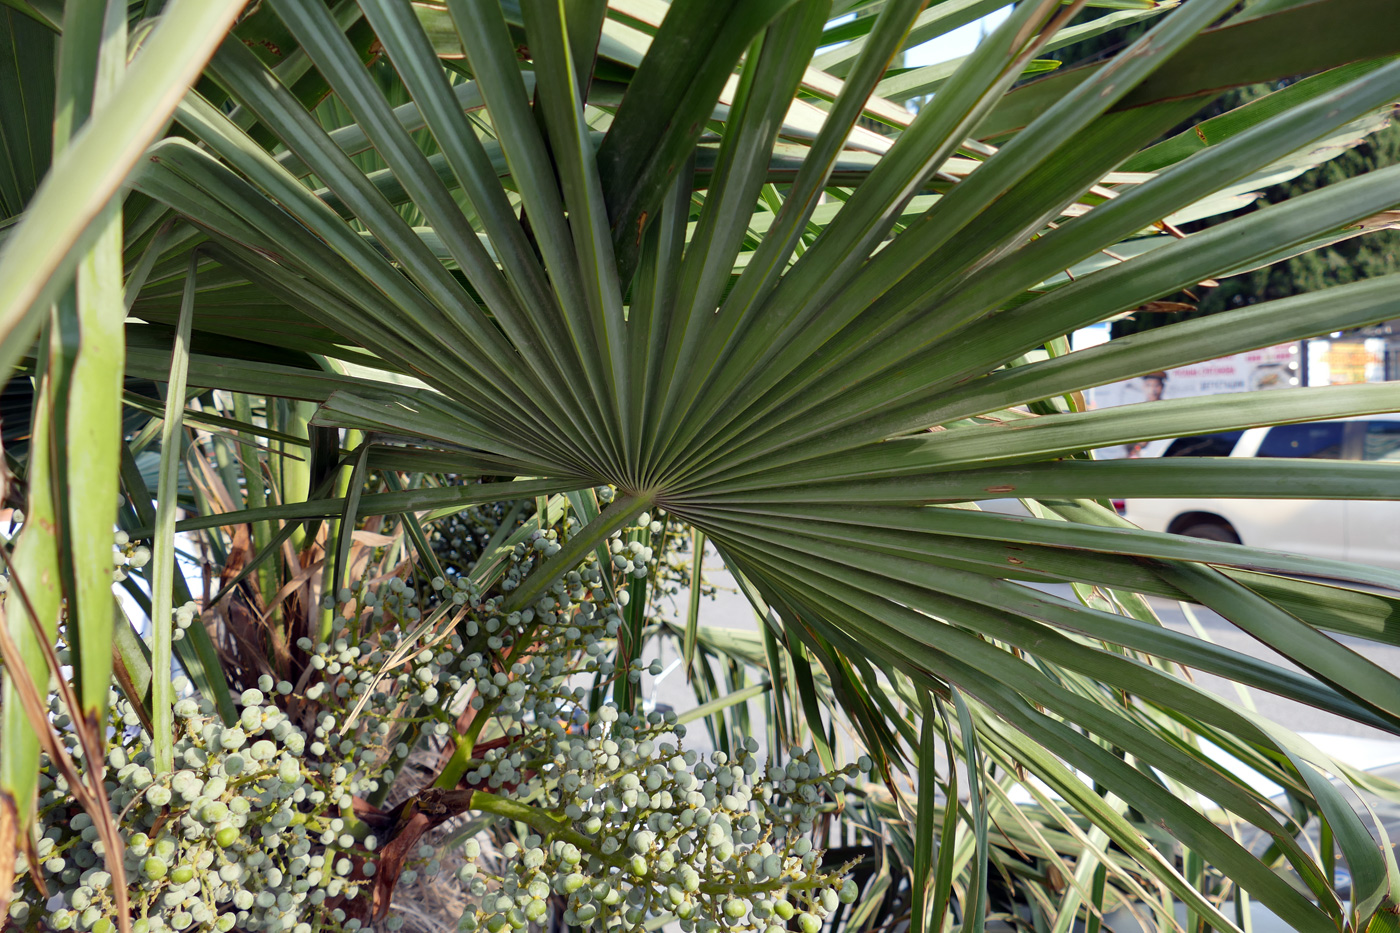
(466, 742)
(339, 534)
(295, 474)
(34, 563)
(163, 569)
(541, 821)
(558, 827)
(622, 510)
(155, 248)
(255, 488)
(721, 888)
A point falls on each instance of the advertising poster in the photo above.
(1270, 368)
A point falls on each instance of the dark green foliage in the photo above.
(26, 74)
(1375, 253)
(1371, 254)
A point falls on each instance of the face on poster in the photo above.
(1153, 386)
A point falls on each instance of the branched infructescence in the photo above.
(268, 823)
(627, 827)
(248, 832)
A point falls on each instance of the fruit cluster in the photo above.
(627, 827)
(255, 829)
(247, 832)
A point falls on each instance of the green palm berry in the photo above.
(153, 868)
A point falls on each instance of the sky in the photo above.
(950, 45)
(954, 44)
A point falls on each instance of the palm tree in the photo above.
(660, 248)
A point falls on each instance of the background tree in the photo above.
(1375, 253)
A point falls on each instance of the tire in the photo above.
(1211, 531)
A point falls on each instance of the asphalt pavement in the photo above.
(1296, 716)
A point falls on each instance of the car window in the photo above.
(1205, 445)
(1381, 441)
(1319, 441)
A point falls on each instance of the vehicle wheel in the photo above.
(1211, 531)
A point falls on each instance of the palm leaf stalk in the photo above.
(648, 260)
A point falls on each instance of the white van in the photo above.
(1362, 531)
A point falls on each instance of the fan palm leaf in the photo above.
(662, 248)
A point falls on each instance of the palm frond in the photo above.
(660, 252)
